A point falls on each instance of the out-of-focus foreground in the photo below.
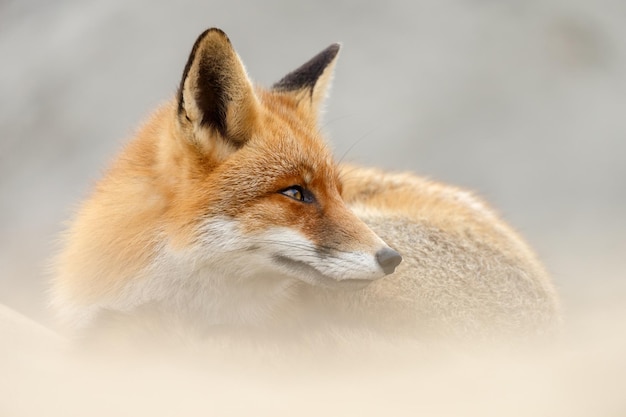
(521, 101)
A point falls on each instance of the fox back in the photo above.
(227, 210)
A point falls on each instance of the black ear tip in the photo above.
(307, 75)
(329, 54)
(333, 49)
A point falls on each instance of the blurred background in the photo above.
(520, 101)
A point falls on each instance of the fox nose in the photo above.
(388, 259)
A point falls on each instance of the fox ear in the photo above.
(215, 93)
(309, 84)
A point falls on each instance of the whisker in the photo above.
(344, 175)
(335, 119)
(300, 245)
(359, 140)
(308, 253)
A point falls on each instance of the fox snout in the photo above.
(388, 259)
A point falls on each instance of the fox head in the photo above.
(229, 180)
(269, 187)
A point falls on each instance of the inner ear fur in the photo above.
(215, 93)
(309, 84)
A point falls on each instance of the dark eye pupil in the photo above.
(294, 193)
(297, 193)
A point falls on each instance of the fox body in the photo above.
(227, 210)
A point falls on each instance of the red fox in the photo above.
(227, 210)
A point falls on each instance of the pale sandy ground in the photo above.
(521, 101)
(582, 375)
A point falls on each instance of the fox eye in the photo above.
(298, 193)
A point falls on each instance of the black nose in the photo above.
(388, 259)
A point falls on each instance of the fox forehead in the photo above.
(281, 161)
(287, 144)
